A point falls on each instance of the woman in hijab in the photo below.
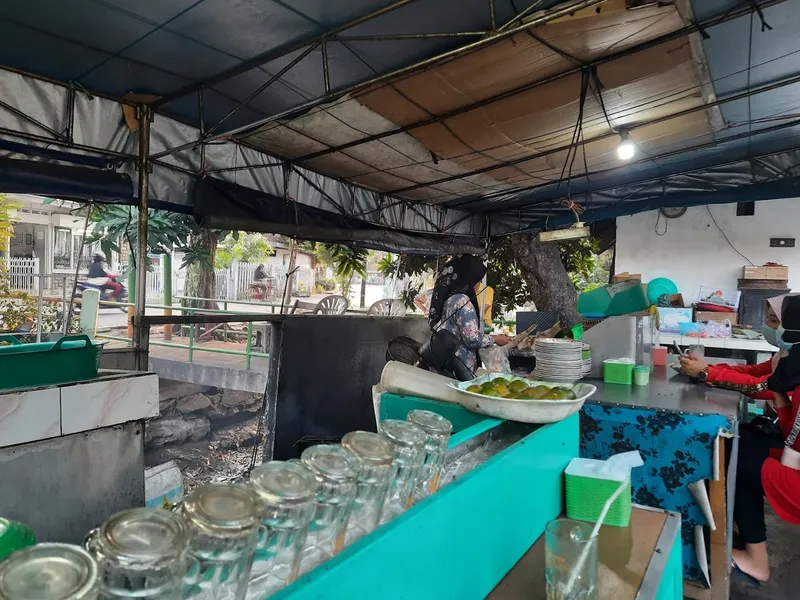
(762, 472)
(454, 306)
(746, 375)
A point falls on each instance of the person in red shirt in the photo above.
(760, 471)
(748, 375)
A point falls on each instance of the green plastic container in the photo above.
(13, 536)
(72, 358)
(641, 375)
(612, 300)
(586, 497)
(616, 372)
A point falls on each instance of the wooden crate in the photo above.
(766, 272)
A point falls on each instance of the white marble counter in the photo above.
(114, 397)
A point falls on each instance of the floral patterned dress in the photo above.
(460, 318)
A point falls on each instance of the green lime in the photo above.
(502, 390)
(475, 389)
(500, 381)
(517, 386)
(533, 393)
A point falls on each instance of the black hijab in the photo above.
(786, 377)
(458, 276)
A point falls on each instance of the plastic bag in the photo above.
(495, 359)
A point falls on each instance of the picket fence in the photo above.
(233, 283)
(21, 274)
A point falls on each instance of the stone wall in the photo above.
(210, 432)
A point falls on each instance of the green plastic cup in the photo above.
(641, 375)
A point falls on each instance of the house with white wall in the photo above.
(51, 232)
(709, 245)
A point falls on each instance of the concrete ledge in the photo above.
(203, 374)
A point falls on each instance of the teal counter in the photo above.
(460, 542)
(503, 484)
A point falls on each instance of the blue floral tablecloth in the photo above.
(677, 449)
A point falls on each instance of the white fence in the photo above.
(21, 273)
(233, 283)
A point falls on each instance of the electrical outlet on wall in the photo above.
(781, 242)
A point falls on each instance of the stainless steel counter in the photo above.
(671, 391)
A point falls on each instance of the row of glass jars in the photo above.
(236, 541)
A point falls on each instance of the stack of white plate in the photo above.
(587, 360)
(558, 360)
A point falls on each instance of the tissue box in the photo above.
(670, 318)
(587, 495)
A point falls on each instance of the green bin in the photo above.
(72, 358)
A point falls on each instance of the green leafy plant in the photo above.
(7, 221)
(243, 247)
(18, 312)
(325, 285)
(345, 261)
(166, 231)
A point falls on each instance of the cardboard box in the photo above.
(626, 276)
(710, 315)
(766, 272)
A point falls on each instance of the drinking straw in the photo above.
(595, 531)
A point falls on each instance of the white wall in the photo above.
(693, 252)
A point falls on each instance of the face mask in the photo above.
(779, 337)
(771, 335)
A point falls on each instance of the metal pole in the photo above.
(131, 309)
(492, 17)
(249, 345)
(145, 114)
(39, 311)
(64, 309)
(167, 270)
(326, 78)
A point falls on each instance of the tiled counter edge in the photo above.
(113, 398)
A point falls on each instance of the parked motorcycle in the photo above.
(106, 294)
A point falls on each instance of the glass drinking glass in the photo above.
(142, 553)
(374, 455)
(437, 430)
(52, 571)
(224, 521)
(408, 442)
(697, 350)
(336, 472)
(287, 491)
(565, 541)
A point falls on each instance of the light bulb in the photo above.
(626, 149)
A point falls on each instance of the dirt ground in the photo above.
(225, 456)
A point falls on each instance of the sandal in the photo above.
(741, 575)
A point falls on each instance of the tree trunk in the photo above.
(363, 291)
(547, 279)
(200, 278)
(287, 293)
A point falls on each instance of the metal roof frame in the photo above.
(503, 32)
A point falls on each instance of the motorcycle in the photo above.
(106, 294)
